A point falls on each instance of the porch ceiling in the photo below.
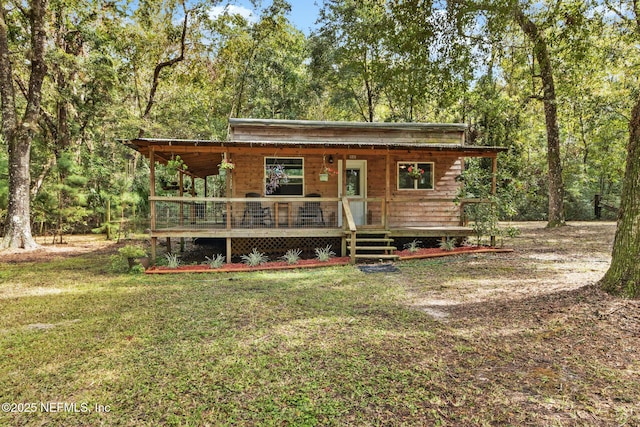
(203, 156)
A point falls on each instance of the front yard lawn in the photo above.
(487, 339)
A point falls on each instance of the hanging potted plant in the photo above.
(169, 180)
(174, 165)
(415, 173)
(325, 171)
(276, 175)
(226, 165)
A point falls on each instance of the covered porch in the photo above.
(348, 184)
(247, 222)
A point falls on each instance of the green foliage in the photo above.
(132, 251)
(324, 254)
(118, 264)
(216, 260)
(447, 244)
(136, 269)
(173, 260)
(174, 165)
(386, 61)
(511, 231)
(292, 256)
(413, 246)
(254, 258)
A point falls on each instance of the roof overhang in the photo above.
(203, 156)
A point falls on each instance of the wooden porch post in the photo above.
(152, 206)
(387, 193)
(494, 174)
(227, 194)
(494, 178)
(343, 192)
(181, 194)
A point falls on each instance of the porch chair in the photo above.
(311, 213)
(255, 214)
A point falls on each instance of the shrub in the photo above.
(324, 254)
(413, 246)
(216, 260)
(447, 244)
(254, 258)
(172, 260)
(136, 269)
(132, 251)
(292, 256)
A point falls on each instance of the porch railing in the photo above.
(194, 213)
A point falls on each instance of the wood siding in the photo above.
(416, 208)
(248, 176)
(410, 208)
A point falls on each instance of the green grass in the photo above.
(326, 346)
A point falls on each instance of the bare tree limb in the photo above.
(156, 72)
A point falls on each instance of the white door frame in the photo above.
(359, 209)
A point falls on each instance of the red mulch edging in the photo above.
(437, 252)
(313, 263)
(240, 267)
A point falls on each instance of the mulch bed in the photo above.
(314, 263)
(240, 267)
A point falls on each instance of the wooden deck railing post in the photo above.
(494, 178)
(152, 203)
(351, 225)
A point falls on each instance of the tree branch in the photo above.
(38, 63)
(45, 114)
(156, 72)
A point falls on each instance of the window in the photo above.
(423, 182)
(293, 167)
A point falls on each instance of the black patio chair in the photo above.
(310, 214)
(255, 214)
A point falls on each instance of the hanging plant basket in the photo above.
(168, 185)
(324, 177)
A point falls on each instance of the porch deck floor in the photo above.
(221, 232)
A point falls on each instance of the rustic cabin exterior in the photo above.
(306, 184)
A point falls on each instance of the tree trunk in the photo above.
(623, 276)
(556, 186)
(18, 227)
(18, 134)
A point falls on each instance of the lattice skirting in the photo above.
(278, 246)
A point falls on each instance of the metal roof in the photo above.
(234, 122)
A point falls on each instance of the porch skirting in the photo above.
(275, 242)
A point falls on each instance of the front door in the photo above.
(356, 183)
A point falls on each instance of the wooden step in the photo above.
(371, 240)
(373, 248)
(378, 256)
(369, 232)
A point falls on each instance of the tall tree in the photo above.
(18, 129)
(349, 53)
(535, 21)
(623, 276)
(541, 53)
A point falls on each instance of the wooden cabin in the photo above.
(308, 184)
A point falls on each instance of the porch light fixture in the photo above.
(331, 159)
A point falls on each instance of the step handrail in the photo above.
(351, 224)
